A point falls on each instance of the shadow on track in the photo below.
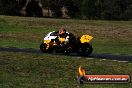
(101, 56)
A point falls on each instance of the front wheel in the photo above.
(43, 48)
(85, 49)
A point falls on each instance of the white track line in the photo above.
(123, 61)
(89, 58)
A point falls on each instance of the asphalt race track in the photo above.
(94, 55)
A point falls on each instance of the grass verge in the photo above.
(45, 70)
(112, 37)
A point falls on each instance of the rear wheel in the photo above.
(43, 47)
(85, 49)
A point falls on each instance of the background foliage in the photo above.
(84, 9)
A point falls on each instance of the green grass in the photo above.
(112, 37)
(19, 44)
(25, 70)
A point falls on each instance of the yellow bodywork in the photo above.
(86, 38)
(61, 40)
(83, 39)
(47, 41)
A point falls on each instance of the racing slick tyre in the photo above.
(43, 48)
(85, 49)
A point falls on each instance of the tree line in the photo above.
(82, 9)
